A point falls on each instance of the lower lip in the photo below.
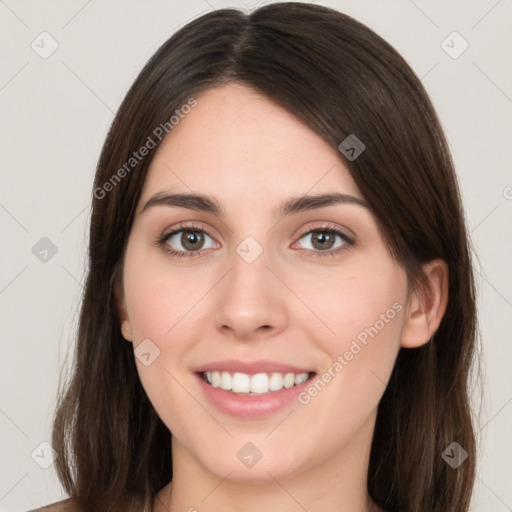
(245, 406)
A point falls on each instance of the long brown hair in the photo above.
(339, 78)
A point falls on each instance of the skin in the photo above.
(252, 155)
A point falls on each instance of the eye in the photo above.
(185, 241)
(189, 240)
(323, 241)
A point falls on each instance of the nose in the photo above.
(250, 300)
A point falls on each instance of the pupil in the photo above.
(322, 238)
(191, 239)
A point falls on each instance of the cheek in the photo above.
(362, 302)
(159, 302)
(163, 304)
(362, 315)
(158, 296)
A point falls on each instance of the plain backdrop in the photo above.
(56, 110)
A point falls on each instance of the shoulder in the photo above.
(68, 505)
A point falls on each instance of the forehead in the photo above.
(239, 145)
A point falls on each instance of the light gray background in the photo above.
(55, 113)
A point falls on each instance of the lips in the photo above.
(251, 389)
(251, 367)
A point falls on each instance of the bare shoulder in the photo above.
(68, 505)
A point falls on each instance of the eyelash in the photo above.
(326, 228)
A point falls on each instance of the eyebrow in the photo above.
(204, 203)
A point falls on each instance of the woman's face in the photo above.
(258, 297)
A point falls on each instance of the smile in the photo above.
(256, 384)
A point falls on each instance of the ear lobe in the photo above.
(427, 306)
(126, 329)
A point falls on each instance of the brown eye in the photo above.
(186, 241)
(323, 239)
(191, 240)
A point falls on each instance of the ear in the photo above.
(427, 306)
(126, 329)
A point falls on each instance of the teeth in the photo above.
(276, 382)
(241, 383)
(259, 383)
(300, 378)
(225, 381)
(214, 379)
(289, 380)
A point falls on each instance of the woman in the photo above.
(279, 275)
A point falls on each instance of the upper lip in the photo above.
(250, 367)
